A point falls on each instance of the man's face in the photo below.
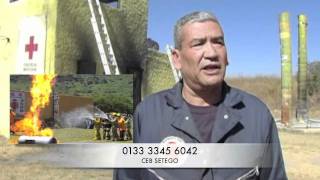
(202, 58)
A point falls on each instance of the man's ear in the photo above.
(176, 58)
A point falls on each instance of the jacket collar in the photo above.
(227, 117)
(230, 96)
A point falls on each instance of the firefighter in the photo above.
(122, 126)
(97, 126)
(128, 126)
(12, 116)
(114, 126)
(106, 127)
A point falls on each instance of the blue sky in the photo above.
(251, 30)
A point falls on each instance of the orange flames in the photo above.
(40, 92)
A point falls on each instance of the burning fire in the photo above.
(40, 92)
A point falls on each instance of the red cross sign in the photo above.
(31, 47)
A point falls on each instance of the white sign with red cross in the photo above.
(31, 48)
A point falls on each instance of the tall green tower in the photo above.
(302, 110)
(286, 68)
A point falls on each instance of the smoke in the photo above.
(79, 118)
(98, 112)
(82, 117)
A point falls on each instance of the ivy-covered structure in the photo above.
(157, 74)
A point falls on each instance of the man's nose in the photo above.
(210, 52)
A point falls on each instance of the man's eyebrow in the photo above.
(198, 40)
(204, 38)
(218, 38)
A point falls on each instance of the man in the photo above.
(114, 126)
(122, 126)
(12, 121)
(202, 108)
(106, 126)
(128, 120)
(97, 126)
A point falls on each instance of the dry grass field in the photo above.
(301, 154)
(13, 168)
(268, 89)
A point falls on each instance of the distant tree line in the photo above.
(109, 93)
(114, 103)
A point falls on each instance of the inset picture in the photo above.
(49, 109)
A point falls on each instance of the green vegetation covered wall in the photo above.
(137, 18)
(128, 31)
(127, 27)
(118, 34)
(157, 74)
(75, 39)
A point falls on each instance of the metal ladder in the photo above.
(176, 73)
(108, 58)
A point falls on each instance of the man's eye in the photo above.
(219, 41)
(197, 44)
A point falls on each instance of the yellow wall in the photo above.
(10, 18)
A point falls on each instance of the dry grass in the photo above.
(301, 154)
(13, 167)
(71, 135)
(300, 151)
(37, 171)
(268, 89)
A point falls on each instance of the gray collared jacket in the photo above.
(241, 118)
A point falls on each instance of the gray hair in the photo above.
(198, 16)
